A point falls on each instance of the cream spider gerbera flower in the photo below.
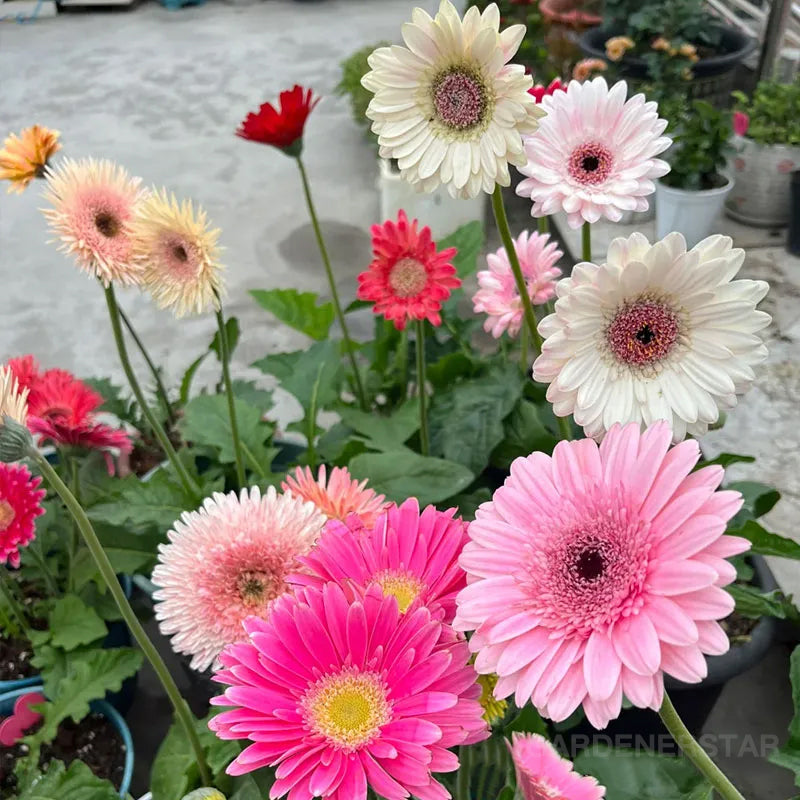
(448, 106)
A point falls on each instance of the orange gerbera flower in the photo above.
(25, 157)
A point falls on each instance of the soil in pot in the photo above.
(15, 660)
(94, 740)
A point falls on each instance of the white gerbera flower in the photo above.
(655, 333)
(449, 107)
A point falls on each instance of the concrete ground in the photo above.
(162, 93)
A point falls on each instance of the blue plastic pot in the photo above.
(7, 700)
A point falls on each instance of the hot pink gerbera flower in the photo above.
(407, 278)
(338, 496)
(344, 693)
(20, 504)
(594, 572)
(594, 153)
(226, 561)
(498, 296)
(543, 775)
(409, 555)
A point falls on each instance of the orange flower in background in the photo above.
(617, 46)
(587, 67)
(25, 157)
(661, 44)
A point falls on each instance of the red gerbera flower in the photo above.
(20, 504)
(407, 278)
(26, 370)
(281, 127)
(540, 91)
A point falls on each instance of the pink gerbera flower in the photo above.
(338, 496)
(596, 571)
(543, 775)
(20, 504)
(226, 561)
(498, 297)
(407, 278)
(594, 153)
(540, 91)
(409, 555)
(340, 694)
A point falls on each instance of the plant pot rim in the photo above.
(575, 17)
(697, 192)
(765, 145)
(111, 714)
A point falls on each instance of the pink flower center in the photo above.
(459, 98)
(7, 515)
(257, 588)
(643, 331)
(178, 257)
(399, 584)
(348, 708)
(590, 163)
(108, 225)
(408, 277)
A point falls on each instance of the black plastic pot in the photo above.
(642, 728)
(713, 76)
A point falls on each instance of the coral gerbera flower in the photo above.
(410, 555)
(540, 91)
(542, 773)
(448, 106)
(593, 572)
(344, 693)
(656, 332)
(338, 496)
(93, 204)
(226, 561)
(20, 504)
(407, 278)
(586, 67)
(498, 297)
(282, 127)
(178, 254)
(25, 157)
(594, 153)
(13, 398)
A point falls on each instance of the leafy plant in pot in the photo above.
(766, 149)
(691, 195)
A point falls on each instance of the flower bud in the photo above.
(15, 440)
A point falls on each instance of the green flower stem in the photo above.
(586, 241)
(74, 533)
(692, 750)
(160, 388)
(225, 357)
(107, 571)
(564, 427)
(524, 363)
(543, 224)
(401, 361)
(505, 235)
(323, 251)
(190, 487)
(16, 609)
(463, 781)
(421, 390)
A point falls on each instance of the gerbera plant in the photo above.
(25, 156)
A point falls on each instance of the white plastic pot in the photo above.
(438, 210)
(687, 212)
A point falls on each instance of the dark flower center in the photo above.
(256, 588)
(590, 163)
(459, 98)
(643, 332)
(590, 565)
(107, 224)
(179, 251)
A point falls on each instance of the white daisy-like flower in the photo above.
(594, 154)
(655, 333)
(448, 106)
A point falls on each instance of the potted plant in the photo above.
(766, 149)
(691, 195)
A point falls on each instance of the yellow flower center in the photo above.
(408, 277)
(493, 710)
(402, 585)
(6, 514)
(347, 708)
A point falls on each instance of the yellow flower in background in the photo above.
(25, 157)
(617, 46)
(687, 50)
(493, 710)
(661, 44)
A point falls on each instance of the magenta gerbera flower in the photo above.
(594, 572)
(408, 554)
(340, 694)
(543, 775)
(20, 504)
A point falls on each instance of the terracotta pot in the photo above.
(572, 13)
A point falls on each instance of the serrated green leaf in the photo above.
(299, 310)
(402, 474)
(76, 783)
(468, 240)
(751, 602)
(384, 431)
(767, 543)
(73, 623)
(788, 755)
(758, 497)
(232, 334)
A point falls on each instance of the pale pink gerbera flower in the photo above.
(594, 572)
(408, 554)
(594, 153)
(226, 561)
(498, 297)
(542, 773)
(93, 203)
(340, 694)
(338, 496)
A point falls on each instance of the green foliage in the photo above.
(73, 623)
(774, 112)
(528, 720)
(751, 602)
(299, 310)
(525, 431)
(789, 755)
(759, 499)
(678, 21)
(77, 782)
(767, 543)
(725, 460)
(383, 431)
(231, 334)
(354, 68)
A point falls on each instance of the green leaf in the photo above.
(248, 392)
(383, 432)
(750, 602)
(447, 370)
(76, 783)
(467, 421)
(188, 377)
(638, 775)
(726, 459)
(299, 310)
(113, 401)
(169, 775)
(128, 562)
(767, 543)
(524, 432)
(528, 721)
(73, 623)
(467, 504)
(758, 497)
(789, 755)
(402, 474)
(231, 333)
(468, 240)
(506, 794)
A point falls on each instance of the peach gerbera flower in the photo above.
(93, 204)
(25, 157)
